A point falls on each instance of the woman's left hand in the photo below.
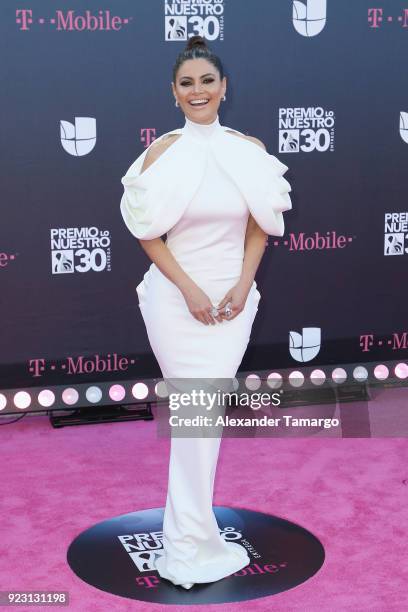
(237, 296)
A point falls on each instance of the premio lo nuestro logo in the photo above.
(143, 548)
(194, 17)
(396, 233)
(306, 129)
(80, 249)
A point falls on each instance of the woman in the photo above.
(217, 194)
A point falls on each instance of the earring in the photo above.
(176, 103)
(223, 98)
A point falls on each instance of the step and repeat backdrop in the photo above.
(84, 90)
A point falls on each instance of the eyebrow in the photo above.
(202, 76)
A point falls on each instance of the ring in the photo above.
(214, 311)
(228, 309)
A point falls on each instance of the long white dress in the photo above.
(200, 192)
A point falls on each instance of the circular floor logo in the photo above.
(118, 556)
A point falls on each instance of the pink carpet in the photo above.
(351, 493)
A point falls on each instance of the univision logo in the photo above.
(404, 126)
(309, 18)
(78, 139)
(305, 346)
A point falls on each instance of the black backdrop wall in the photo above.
(84, 90)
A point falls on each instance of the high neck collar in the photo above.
(201, 131)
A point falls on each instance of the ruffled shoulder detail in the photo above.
(259, 176)
(153, 202)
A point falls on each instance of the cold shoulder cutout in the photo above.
(154, 200)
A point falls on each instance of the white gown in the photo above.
(200, 192)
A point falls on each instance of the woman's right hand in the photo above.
(200, 305)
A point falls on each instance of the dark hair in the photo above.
(196, 47)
